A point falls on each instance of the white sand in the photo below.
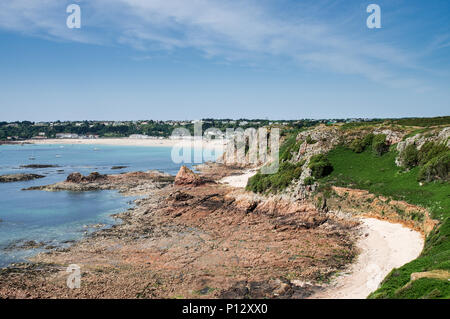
(238, 180)
(130, 142)
(387, 246)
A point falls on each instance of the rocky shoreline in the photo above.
(19, 177)
(191, 237)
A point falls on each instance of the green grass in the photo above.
(287, 172)
(273, 183)
(289, 147)
(350, 126)
(380, 175)
(436, 255)
(424, 122)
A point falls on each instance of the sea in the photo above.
(57, 219)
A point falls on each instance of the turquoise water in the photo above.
(58, 217)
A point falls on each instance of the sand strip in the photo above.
(384, 246)
(238, 180)
(130, 142)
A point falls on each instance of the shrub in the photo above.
(308, 181)
(429, 151)
(287, 172)
(410, 156)
(320, 166)
(357, 146)
(290, 146)
(368, 140)
(309, 140)
(436, 169)
(379, 146)
(360, 145)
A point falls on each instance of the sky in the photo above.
(193, 59)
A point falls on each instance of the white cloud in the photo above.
(244, 31)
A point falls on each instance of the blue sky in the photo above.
(180, 59)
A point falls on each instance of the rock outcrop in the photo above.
(246, 244)
(437, 136)
(185, 176)
(19, 177)
(38, 166)
(78, 178)
(134, 182)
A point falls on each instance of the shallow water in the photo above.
(56, 218)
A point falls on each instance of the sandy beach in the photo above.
(383, 246)
(205, 143)
(239, 180)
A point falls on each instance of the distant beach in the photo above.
(129, 142)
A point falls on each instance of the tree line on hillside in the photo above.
(27, 129)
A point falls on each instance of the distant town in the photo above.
(151, 129)
(22, 130)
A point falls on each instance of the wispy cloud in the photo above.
(245, 30)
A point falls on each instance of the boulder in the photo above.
(185, 176)
(94, 176)
(74, 178)
(78, 178)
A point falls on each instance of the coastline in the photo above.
(381, 245)
(190, 241)
(205, 143)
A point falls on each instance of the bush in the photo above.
(309, 140)
(287, 172)
(379, 146)
(360, 145)
(429, 151)
(436, 169)
(308, 181)
(290, 146)
(410, 156)
(357, 146)
(320, 166)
